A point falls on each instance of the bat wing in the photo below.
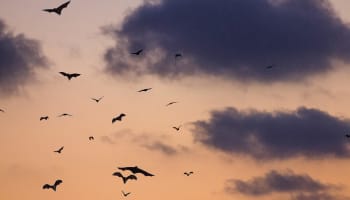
(64, 73)
(118, 174)
(58, 182)
(131, 177)
(114, 119)
(65, 5)
(49, 10)
(75, 75)
(47, 186)
(143, 172)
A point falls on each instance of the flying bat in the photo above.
(1, 110)
(97, 100)
(70, 76)
(59, 9)
(144, 90)
(59, 150)
(125, 194)
(188, 173)
(178, 55)
(269, 67)
(347, 135)
(91, 138)
(53, 187)
(173, 102)
(136, 170)
(118, 118)
(64, 115)
(125, 179)
(137, 52)
(44, 118)
(177, 128)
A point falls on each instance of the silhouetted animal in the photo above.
(44, 118)
(97, 100)
(91, 138)
(137, 52)
(125, 194)
(178, 55)
(269, 67)
(70, 76)
(125, 179)
(1, 110)
(64, 115)
(347, 135)
(176, 128)
(188, 173)
(136, 170)
(173, 102)
(59, 9)
(118, 118)
(59, 150)
(144, 90)
(53, 187)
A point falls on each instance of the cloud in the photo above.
(318, 196)
(274, 181)
(162, 147)
(305, 132)
(232, 39)
(19, 57)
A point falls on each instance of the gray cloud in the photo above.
(305, 132)
(318, 196)
(274, 181)
(230, 38)
(162, 147)
(19, 57)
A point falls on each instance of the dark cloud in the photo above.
(274, 181)
(230, 38)
(318, 196)
(305, 132)
(19, 56)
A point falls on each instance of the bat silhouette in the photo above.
(118, 118)
(173, 102)
(44, 118)
(188, 173)
(125, 194)
(64, 115)
(70, 76)
(1, 110)
(144, 90)
(97, 100)
(136, 170)
(137, 52)
(125, 179)
(177, 128)
(53, 187)
(178, 55)
(91, 138)
(347, 135)
(59, 150)
(59, 9)
(269, 67)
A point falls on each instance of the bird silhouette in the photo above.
(65, 115)
(125, 179)
(1, 110)
(70, 76)
(137, 52)
(188, 173)
(57, 10)
(44, 118)
(54, 186)
(118, 118)
(144, 90)
(59, 150)
(177, 128)
(91, 138)
(171, 103)
(97, 100)
(136, 170)
(125, 194)
(347, 135)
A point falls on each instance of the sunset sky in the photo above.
(247, 132)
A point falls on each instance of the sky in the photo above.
(247, 131)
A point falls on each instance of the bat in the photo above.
(118, 118)
(125, 194)
(53, 187)
(173, 102)
(347, 135)
(137, 52)
(64, 115)
(178, 55)
(1, 110)
(44, 118)
(57, 10)
(176, 128)
(269, 67)
(59, 150)
(91, 138)
(97, 100)
(188, 173)
(70, 76)
(136, 170)
(125, 179)
(144, 90)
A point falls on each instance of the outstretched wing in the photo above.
(75, 75)
(58, 182)
(63, 5)
(136, 170)
(49, 10)
(47, 186)
(63, 73)
(118, 174)
(131, 177)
